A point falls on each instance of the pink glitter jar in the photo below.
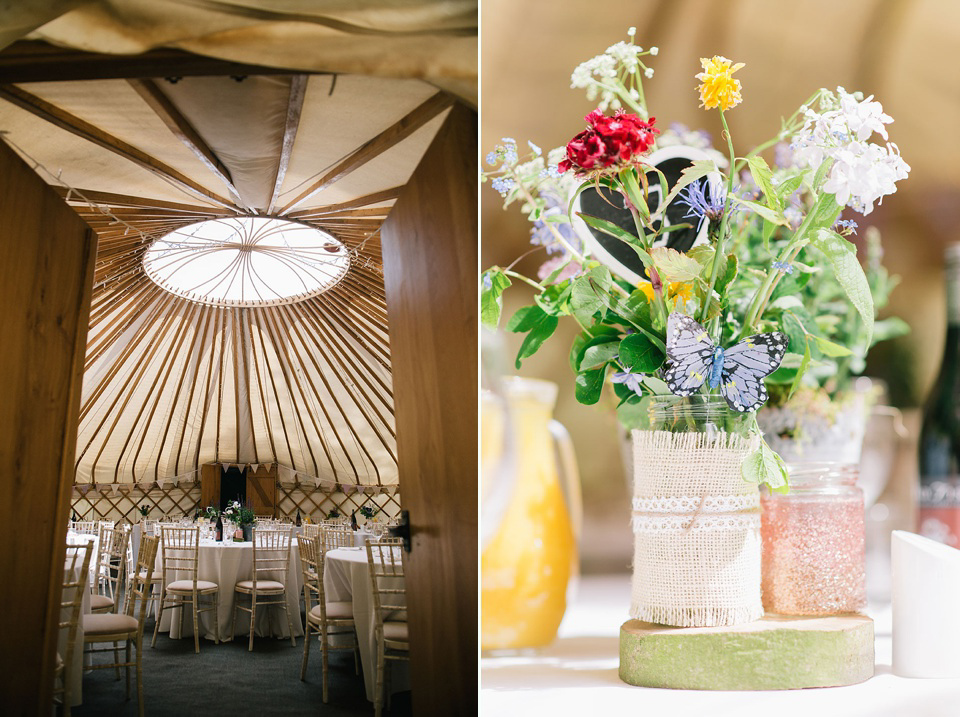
(813, 543)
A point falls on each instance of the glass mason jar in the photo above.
(813, 543)
(529, 555)
(696, 521)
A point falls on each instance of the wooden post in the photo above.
(430, 274)
(210, 485)
(47, 258)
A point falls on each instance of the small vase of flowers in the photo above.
(243, 518)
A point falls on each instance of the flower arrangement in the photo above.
(333, 514)
(211, 513)
(144, 510)
(732, 277)
(239, 515)
(368, 511)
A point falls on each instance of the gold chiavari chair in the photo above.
(271, 560)
(325, 618)
(180, 553)
(385, 562)
(76, 575)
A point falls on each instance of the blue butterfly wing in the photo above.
(689, 355)
(746, 364)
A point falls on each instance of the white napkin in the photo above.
(926, 607)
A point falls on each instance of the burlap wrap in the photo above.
(696, 526)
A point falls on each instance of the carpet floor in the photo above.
(226, 679)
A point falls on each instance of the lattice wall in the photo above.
(102, 503)
(317, 504)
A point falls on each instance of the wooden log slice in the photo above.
(774, 653)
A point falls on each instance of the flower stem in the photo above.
(553, 229)
(521, 277)
(718, 250)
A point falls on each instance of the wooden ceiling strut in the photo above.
(218, 330)
(245, 352)
(276, 396)
(390, 137)
(258, 364)
(283, 319)
(298, 90)
(375, 198)
(114, 200)
(360, 377)
(66, 121)
(286, 368)
(181, 128)
(195, 363)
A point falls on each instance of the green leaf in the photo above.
(491, 303)
(788, 186)
(588, 386)
(599, 355)
(639, 354)
(588, 292)
(555, 299)
(593, 336)
(727, 274)
(609, 228)
(772, 216)
(764, 179)
(633, 413)
(700, 168)
(829, 348)
(656, 386)
(842, 257)
(765, 466)
(674, 266)
(538, 323)
(800, 371)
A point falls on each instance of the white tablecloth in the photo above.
(347, 578)
(577, 674)
(226, 564)
(74, 671)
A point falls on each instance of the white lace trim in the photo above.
(696, 503)
(652, 523)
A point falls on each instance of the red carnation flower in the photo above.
(608, 142)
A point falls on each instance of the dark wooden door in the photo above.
(46, 275)
(210, 485)
(430, 271)
(262, 490)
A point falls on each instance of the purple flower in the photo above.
(848, 226)
(783, 267)
(630, 380)
(701, 205)
(541, 235)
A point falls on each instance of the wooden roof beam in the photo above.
(126, 200)
(298, 90)
(376, 198)
(181, 128)
(76, 126)
(393, 135)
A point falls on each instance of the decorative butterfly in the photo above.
(692, 358)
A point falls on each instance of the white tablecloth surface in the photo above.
(347, 578)
(74, 671)
(577, 674)
(226, 564)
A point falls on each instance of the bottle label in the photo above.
(940, 512)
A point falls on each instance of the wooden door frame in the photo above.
(429, 244)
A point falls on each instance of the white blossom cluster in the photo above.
(600, 75)
(863, 172)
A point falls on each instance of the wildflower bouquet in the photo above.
(693, 272)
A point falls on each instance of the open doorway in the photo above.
(233, 486)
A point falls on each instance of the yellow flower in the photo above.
(717, 86)
(681, 289)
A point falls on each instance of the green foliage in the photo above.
(537, 324)
(765, 466)
(492, 284)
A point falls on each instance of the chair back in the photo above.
(271, 554)
(140, 587)
(86, 527)
(76, 574)
(311, 530)
(111, 558)
(311, 566)
(148, 527)
(385, 562)
(179, 551)
(337, 537)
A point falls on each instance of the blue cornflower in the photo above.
(630, 380)
(848, 224)
(695, 196)
(503, 185)
(783, 267)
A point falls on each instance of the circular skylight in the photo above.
(246, 261)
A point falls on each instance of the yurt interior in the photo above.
(236, 251)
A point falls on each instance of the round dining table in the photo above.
(226, 564)
(346, 578)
